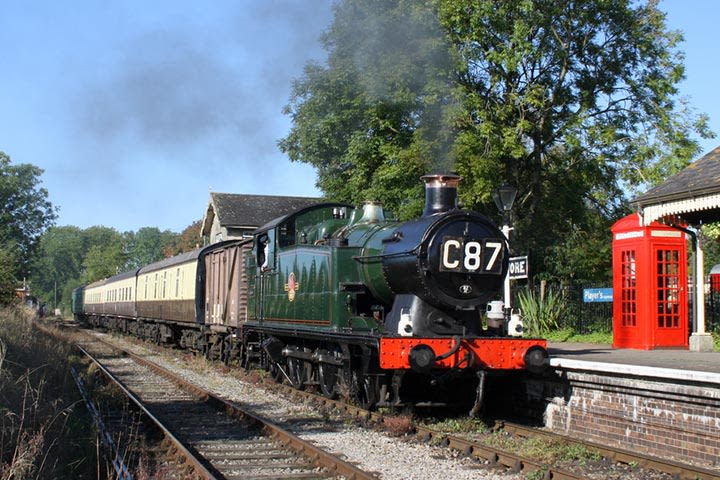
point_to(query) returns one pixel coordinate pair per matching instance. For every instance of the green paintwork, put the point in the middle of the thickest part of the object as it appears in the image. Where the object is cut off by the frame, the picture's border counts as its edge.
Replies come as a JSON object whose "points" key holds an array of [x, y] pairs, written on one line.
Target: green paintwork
{"points": [[315, 283], [77, 300]]}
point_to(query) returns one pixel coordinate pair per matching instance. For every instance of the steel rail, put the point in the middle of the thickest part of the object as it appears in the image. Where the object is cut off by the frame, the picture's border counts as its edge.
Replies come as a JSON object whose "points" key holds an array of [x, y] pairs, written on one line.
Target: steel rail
{"points": [[513, 462], [494, 456], [510, 460], [317, 456], [188, 455]]}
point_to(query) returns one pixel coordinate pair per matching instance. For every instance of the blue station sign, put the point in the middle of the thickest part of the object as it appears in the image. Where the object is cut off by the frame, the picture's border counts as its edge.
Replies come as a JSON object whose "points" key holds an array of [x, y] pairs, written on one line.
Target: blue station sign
{"points": [[597, 295]]}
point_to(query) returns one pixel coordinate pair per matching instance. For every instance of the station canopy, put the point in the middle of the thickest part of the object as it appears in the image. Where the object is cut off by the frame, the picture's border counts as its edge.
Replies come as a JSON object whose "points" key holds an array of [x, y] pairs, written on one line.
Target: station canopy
{"points": [[692, 194]]}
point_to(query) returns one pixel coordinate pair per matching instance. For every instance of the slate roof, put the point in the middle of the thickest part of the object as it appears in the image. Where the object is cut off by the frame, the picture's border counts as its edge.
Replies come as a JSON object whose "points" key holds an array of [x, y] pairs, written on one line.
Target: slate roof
{"points": [[239, 210], [693, 193]]}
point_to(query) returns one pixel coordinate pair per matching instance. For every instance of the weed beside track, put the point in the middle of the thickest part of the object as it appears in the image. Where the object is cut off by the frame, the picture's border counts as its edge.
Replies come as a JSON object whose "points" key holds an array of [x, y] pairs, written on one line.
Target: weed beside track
{"points": [[45, 431]]}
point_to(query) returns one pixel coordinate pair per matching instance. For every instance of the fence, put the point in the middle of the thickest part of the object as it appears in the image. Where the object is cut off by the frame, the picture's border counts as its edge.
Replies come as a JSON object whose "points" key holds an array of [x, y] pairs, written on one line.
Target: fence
{"points": [[712, 312], [597, 316], [579, 316]]}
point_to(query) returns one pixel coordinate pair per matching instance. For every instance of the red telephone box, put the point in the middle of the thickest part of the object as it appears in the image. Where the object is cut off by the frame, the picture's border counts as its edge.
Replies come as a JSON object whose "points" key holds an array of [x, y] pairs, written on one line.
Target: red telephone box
{"points": [[650, 308], [715, 279]]}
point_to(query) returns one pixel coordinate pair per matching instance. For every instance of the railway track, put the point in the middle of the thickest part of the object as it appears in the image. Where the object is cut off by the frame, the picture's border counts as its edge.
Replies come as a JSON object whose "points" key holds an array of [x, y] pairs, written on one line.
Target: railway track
{"points": [[214, 437], [510, 461], [517, 463]]}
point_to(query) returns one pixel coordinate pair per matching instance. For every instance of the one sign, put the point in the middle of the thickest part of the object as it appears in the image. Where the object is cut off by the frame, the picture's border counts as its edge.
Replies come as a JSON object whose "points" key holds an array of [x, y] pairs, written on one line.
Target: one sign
{"points": [[597, 295], [518, 268]]}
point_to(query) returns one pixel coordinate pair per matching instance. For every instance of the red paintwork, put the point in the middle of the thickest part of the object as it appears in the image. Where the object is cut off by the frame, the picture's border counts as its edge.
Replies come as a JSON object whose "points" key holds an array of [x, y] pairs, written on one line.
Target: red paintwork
{"points": [[650, 285], [488, 353]]}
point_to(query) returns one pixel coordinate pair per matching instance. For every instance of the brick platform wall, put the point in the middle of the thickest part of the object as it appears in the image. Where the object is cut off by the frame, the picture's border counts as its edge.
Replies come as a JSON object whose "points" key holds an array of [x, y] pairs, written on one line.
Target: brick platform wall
{"points": [[668, 419]]}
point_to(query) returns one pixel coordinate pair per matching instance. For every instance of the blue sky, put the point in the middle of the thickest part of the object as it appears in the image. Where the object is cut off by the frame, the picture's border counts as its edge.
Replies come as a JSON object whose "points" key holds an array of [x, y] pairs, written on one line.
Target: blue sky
{"points": [[136, 110]]}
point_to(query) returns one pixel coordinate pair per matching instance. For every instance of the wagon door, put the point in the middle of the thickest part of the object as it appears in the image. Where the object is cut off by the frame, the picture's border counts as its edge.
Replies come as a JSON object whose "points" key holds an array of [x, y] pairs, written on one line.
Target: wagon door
{"points": [[226, 291]]}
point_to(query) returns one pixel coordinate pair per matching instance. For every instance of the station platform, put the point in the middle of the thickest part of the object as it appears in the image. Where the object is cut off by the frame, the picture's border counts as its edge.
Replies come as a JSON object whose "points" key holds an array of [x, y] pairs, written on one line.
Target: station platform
{"points": [[665, 402], [676, 364]]}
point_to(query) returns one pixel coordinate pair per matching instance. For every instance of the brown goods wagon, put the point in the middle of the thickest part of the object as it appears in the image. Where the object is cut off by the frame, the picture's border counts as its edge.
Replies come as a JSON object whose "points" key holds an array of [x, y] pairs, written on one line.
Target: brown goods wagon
{"points": [[226, 292]]}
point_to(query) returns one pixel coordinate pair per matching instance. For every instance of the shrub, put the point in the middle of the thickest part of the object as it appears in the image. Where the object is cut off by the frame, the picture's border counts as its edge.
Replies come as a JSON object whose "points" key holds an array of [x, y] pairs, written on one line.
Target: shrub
{"points": [[541, 314], [398, 426]]}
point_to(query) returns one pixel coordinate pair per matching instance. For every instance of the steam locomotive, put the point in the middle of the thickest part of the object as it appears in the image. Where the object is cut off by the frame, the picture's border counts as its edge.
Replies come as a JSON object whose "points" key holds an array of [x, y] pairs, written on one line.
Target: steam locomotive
{"points": [[338, 298]]}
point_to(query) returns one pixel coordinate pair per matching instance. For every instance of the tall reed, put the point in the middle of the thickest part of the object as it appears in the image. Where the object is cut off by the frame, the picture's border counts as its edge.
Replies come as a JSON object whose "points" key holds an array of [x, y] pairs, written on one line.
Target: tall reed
{"points": [[42, 433]]}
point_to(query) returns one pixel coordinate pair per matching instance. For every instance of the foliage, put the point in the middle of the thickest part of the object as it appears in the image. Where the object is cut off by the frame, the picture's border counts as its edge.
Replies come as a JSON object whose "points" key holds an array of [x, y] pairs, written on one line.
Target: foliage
{"points": [[583, 254], [60, 254], [102, 261], [25, 214], [710, 242], [188, 240], [371, 121], [574, 103], [541, 312], [146, 246], [548, 451], [398, 425], [459, 425], [8, 267]]}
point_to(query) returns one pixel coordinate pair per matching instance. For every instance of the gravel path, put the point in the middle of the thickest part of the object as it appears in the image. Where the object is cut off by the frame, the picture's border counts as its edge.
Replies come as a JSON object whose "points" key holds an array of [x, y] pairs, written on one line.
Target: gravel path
{"points": [[390, 457]]}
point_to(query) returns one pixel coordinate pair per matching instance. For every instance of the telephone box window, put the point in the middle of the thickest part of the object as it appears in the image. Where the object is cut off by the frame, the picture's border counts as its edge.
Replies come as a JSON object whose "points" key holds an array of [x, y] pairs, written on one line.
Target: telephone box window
{"points": [[629, 290]]}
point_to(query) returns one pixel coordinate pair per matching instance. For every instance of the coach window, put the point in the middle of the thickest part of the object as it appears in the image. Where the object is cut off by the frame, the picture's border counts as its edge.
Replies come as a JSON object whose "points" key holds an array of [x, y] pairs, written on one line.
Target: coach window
{"points": [[155, 287], [177, 283], [164, 284]]}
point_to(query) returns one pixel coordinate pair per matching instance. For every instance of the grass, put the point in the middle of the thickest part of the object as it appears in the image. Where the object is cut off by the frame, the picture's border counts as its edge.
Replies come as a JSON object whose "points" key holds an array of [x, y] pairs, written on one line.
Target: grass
{"points": [[571, 336], [44, 429], [543, 450], [459, 425]]}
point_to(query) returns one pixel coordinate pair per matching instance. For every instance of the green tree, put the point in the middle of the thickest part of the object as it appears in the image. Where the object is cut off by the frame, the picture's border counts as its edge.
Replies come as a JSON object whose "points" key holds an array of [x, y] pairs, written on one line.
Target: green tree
{"points": [[26, 212], [189, 239], [8, 277], [148, 245], [572, 102], [103, 261], [59, 262], [105, 254], [372, 120]]}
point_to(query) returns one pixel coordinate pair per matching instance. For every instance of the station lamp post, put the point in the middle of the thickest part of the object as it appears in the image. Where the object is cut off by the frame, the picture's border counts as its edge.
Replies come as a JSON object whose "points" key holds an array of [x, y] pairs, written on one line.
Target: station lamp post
{"points": [[504, 198]]}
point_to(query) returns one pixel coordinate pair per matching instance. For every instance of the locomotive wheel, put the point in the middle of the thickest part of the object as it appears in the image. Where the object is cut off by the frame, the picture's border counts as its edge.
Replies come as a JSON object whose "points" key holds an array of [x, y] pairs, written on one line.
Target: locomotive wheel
{"points": [[276, 372], [328, 380], [363, 389], [296, 372], [226, 350]]}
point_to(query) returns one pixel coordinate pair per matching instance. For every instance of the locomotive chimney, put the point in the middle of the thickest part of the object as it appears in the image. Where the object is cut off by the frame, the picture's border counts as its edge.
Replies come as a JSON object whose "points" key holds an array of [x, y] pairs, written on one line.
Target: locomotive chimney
{"points": [[440, 192]]}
